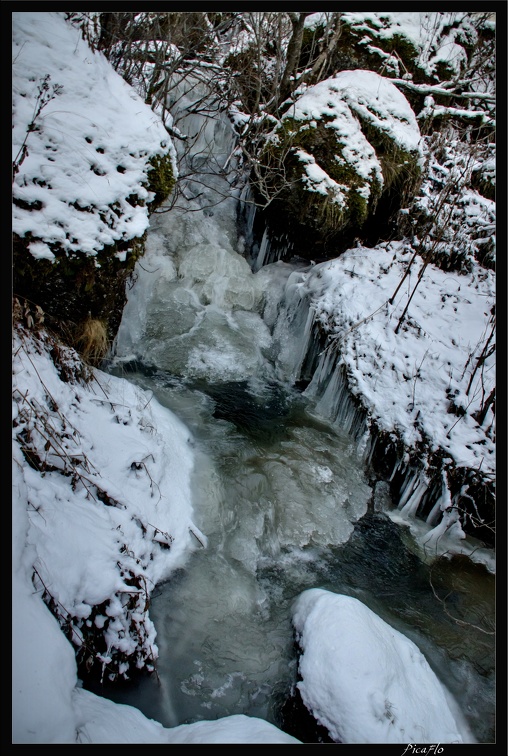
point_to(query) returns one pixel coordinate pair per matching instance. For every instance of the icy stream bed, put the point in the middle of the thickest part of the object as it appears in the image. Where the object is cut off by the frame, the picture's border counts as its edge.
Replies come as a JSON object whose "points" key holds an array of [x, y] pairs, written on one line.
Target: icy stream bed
{"points": [[285, 505], [281, 494]]}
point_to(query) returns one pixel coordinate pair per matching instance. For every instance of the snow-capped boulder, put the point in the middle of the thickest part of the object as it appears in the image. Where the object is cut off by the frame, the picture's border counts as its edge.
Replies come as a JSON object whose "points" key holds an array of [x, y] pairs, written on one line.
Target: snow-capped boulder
{"points": [[89, 158], [365, 681], [343, 144]]}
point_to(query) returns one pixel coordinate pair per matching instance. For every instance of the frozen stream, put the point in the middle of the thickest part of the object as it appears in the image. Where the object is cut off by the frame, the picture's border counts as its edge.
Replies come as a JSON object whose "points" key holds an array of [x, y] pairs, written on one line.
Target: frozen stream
{"points": [[282, 496], [277, 493]]}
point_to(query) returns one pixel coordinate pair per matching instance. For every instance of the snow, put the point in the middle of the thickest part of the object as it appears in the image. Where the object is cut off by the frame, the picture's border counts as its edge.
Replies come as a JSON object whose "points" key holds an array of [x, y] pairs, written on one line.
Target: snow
{"points": [[313, 20], [379, 102], [366, 682], [89, 149], [113, 477], [317, 180], [406, 379], [41, 700], [343, 102], [432, 34], [101, 721]]}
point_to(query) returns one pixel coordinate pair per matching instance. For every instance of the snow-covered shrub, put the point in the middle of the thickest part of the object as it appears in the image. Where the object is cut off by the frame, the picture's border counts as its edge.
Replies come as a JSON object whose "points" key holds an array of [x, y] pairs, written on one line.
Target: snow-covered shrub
{"points": [[426, 45], [450, 218]]}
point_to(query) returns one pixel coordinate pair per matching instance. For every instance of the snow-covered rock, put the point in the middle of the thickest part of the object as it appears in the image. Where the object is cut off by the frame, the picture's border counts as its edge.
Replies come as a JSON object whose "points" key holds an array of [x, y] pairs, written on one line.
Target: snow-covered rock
{"points": [[375, 685], [82, 140]]}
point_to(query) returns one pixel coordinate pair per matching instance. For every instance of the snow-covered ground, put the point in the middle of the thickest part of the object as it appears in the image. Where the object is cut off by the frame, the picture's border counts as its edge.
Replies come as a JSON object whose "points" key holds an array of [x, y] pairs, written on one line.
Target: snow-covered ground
{"points": [[408, 378]]}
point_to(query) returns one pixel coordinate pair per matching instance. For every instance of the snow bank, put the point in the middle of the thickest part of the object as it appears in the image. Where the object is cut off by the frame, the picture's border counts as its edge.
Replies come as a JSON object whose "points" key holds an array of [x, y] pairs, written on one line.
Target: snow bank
{"points": [[105, 477], [408, 379], [366, 682], [101, 721]]}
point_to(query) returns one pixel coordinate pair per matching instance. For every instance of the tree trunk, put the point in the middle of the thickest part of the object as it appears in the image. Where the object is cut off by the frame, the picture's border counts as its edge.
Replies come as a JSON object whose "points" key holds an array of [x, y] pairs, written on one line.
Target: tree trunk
{"points": [[293, 53]]}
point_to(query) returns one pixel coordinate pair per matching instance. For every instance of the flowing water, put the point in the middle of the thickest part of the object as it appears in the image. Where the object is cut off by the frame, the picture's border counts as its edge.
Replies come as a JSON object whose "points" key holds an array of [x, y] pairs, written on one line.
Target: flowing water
{"points": [[281, 494]]}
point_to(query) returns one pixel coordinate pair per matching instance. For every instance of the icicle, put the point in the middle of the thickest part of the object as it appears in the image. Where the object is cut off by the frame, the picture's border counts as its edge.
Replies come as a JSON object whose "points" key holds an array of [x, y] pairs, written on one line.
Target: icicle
{"points": [[370, 450], [363, 439], [280, 250], [407, 488], [444, 501], [350, 417], [330, 400], [264, 248], [396, 468], [443, 504], [245, 193], [432, 517], [450, 522], [304, 344], [294, 326], [320, 376], [249, 212], [334, 401], [410, 509], [359, 422]]}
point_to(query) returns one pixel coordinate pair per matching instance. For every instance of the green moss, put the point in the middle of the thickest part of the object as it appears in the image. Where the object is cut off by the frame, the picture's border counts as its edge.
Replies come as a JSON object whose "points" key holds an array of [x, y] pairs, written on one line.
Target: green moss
{"points": [[135, 249], [77, 286], [397, 164], [161, 178], [358, 208], [312, 209]]}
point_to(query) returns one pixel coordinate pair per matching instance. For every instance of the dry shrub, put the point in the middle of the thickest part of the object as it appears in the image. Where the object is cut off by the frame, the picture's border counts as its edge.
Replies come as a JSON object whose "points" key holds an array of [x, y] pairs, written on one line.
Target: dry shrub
{"points": [[92, 341], [23, 313]]}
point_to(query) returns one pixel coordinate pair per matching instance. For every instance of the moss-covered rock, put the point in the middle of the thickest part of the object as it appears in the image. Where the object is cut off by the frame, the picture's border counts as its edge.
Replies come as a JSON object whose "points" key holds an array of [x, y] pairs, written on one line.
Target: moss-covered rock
{"points": [[161, 178], [336, 198], [347, 142], [72, 289]]}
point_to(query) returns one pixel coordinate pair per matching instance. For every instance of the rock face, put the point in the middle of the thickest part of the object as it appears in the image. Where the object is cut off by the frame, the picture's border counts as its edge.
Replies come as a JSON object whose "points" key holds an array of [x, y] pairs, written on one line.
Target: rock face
{"points": [[84, 178], [346, 144]]}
